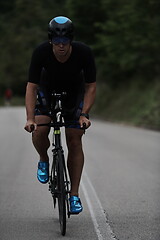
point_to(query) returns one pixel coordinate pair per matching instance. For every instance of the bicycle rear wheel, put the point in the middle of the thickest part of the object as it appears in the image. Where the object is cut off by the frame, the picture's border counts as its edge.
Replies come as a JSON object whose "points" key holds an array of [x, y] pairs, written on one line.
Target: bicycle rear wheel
{"points": [[53, 188], [61, 191]]}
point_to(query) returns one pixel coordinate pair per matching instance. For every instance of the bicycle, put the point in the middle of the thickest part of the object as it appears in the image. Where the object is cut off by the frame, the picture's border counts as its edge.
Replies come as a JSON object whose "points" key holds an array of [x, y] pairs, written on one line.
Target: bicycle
{"points": [[58, 178]]}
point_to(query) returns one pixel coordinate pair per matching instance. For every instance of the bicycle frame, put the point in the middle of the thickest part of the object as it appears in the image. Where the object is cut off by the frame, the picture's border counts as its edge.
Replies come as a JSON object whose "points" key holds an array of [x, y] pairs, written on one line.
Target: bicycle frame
{"points": [[57, 168], [57, 145]]}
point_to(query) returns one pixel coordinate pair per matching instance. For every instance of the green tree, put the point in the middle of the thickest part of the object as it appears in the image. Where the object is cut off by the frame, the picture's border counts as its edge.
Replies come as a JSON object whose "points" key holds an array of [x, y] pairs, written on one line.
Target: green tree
{"points": [[127, 44], [23, 25], [85, 15], [124, 35]]}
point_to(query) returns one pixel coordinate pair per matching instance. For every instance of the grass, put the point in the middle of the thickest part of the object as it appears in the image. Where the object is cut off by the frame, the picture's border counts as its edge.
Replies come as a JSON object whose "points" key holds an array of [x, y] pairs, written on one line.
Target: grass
{"points": [[137, 104]]}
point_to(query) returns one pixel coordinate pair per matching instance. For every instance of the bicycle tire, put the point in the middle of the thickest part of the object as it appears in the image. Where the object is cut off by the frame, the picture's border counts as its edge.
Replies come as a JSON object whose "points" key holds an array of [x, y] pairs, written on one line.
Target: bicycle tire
{"points": [[53, 188], [67, 189], [61, 191]]}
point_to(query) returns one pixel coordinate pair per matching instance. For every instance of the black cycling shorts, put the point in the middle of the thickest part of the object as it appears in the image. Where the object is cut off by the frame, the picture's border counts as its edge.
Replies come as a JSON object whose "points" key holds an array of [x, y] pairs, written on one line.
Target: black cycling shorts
{"points": [[71, 115]]}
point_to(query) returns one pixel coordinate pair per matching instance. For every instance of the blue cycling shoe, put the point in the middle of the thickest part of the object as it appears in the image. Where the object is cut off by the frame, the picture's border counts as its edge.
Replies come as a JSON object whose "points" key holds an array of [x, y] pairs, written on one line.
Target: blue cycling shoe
{"points": [[43, 172], [75, 205]]}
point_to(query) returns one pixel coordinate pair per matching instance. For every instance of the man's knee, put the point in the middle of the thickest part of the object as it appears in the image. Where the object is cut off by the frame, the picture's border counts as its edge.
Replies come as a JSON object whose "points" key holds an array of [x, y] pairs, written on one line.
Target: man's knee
{"points": [[40, 139], [74, 138], [42, 131]]}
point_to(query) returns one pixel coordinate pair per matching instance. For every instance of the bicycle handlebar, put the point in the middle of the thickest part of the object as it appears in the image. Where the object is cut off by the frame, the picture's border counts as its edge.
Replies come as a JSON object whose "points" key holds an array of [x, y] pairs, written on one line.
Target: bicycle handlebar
{"points": [[60, 124]]}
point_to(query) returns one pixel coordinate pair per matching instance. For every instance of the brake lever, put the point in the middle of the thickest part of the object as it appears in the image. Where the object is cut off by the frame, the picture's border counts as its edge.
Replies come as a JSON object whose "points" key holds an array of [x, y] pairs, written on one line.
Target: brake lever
{"points": [[84, 127]]}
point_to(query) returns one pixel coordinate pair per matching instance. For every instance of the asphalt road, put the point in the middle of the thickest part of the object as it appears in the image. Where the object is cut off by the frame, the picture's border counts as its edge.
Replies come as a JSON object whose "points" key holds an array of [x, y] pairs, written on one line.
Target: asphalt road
{"points": [[120, 187]]}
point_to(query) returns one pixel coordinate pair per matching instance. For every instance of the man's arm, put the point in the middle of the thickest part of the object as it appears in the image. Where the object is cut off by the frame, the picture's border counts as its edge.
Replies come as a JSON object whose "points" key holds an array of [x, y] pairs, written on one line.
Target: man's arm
{"points": [[89, 98], [30, 101]]}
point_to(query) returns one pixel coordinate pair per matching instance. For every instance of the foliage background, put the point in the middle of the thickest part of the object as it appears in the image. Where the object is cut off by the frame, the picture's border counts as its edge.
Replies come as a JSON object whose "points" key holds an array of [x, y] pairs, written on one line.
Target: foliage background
{"points": [[125, 38]]}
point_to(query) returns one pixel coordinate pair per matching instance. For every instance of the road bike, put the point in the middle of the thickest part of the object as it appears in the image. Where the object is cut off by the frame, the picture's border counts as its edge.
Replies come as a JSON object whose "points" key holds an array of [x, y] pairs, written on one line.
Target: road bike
{"points": [[59, 184]]}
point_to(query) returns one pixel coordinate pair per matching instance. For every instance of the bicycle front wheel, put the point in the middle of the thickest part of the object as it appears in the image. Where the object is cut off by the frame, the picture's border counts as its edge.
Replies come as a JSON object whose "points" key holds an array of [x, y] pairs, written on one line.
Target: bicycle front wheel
{"points": [[61, 191]]}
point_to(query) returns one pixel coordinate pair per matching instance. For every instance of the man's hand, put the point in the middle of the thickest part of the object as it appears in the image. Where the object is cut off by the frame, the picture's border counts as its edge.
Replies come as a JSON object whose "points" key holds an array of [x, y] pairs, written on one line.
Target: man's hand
{"points": [[84, 121], [30, 126]]}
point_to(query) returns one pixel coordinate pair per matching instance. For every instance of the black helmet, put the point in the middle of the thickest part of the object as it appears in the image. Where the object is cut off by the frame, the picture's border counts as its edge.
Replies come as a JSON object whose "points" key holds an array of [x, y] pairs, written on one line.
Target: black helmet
{"points": [[60, 27]]}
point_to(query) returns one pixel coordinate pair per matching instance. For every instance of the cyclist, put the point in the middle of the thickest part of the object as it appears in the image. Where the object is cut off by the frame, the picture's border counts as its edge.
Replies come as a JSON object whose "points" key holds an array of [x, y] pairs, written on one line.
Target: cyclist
{"points": [[62, 65], [8, 96]]}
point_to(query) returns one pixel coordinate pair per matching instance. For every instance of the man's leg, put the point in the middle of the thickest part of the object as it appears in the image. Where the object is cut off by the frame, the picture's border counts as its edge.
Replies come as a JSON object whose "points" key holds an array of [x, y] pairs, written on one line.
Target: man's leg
{"points": [[40, 138], [75, 157]]}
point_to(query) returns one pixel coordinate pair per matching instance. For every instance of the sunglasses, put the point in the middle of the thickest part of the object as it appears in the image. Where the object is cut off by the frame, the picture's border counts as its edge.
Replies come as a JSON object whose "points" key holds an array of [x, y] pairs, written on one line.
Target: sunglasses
{"points": [[62, 40]]}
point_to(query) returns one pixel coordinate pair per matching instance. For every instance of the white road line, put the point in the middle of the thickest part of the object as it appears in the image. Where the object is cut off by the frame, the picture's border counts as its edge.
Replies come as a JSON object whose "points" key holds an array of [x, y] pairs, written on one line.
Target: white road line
{"points": [[100, 222], [100, 237]]}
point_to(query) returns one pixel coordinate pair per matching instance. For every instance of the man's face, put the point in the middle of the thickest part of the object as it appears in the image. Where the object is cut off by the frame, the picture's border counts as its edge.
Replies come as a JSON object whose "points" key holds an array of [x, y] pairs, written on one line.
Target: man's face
{"points": [[61, 46], [61, 49]]}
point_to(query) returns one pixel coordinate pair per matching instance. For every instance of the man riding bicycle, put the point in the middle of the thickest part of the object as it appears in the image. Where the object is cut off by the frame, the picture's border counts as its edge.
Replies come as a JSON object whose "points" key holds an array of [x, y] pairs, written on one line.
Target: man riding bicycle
{"points": [[61, 65]]}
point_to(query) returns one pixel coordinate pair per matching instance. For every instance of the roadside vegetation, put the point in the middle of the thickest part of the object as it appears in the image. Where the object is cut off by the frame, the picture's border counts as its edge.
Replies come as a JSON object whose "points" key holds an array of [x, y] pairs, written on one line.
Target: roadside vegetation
{"points": [[137, 104], [124, 36]]}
